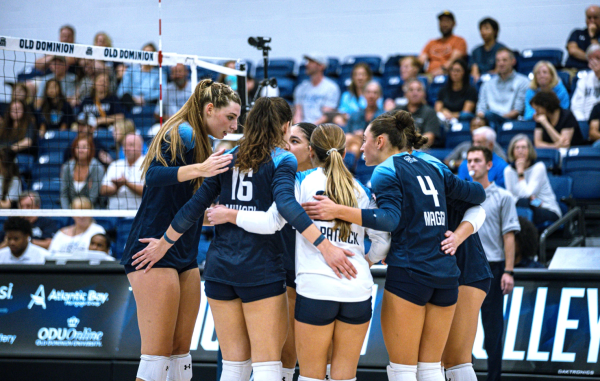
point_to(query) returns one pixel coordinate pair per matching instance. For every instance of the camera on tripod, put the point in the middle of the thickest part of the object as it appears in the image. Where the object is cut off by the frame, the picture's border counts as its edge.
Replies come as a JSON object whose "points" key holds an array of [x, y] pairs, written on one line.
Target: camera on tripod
{"points": [[261, 43]]}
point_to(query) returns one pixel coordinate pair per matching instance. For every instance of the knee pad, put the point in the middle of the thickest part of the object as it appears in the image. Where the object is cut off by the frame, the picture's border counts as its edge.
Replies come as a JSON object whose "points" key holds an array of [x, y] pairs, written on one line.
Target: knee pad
{"points": [[462, 372], [180, 368], [399, 372], [236, 370], [267, 371], [429, 371], [153, 368]]}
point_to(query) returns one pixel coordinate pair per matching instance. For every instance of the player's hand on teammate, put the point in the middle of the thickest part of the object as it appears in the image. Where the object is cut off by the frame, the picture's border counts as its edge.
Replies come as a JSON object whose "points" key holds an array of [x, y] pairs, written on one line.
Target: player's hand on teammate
{"points": [[323, 209], [507, 283], [337, 259], [451, 243], [217, 163], [156, 249], [220, 214]]}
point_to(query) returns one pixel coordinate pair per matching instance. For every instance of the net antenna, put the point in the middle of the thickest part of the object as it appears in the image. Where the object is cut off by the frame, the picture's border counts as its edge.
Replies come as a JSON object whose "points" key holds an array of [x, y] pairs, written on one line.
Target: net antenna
{"points": [[160, 70]]}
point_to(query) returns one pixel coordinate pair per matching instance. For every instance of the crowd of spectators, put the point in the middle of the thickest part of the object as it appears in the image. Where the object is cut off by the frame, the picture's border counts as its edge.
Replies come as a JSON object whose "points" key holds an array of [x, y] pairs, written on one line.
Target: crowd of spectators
{"points": [[482, 90]]}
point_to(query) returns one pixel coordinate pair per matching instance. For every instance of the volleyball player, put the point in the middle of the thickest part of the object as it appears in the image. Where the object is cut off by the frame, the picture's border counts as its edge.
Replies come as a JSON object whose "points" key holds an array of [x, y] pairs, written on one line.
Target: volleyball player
{"points": [[259, 222], [244, 275], [422, 281], [168, 297]]}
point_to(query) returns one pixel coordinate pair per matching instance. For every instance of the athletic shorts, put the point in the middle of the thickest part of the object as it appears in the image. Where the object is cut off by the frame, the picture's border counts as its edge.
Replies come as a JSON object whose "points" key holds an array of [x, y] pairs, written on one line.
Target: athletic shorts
{"points": [[290, 278], [158, 265], [222, 291], [483, 285], [324, 312], [399, 282]]}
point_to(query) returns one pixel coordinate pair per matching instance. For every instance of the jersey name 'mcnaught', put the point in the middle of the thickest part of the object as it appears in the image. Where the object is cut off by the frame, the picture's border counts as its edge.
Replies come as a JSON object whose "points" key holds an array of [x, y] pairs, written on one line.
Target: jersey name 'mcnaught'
{"points": [[334, 236], [241, 207], [435, 218]]}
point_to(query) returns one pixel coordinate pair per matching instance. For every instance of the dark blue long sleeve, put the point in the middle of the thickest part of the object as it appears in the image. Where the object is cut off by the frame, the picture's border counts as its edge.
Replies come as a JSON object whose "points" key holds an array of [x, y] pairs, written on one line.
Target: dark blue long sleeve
{"points": [[458, 189], [284, 182], [194, 209], [389, 199], [160, 176]]}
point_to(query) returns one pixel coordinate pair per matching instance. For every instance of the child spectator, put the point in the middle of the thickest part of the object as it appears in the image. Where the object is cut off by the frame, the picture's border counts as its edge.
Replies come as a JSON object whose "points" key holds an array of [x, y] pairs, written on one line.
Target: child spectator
{"points": [[56, 113], [20, 251], [100, 242]]}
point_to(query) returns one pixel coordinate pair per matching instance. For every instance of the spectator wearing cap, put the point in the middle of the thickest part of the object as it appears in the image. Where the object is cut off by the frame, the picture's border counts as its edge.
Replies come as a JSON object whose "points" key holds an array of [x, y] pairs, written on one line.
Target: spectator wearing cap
{"points": [[581, 39], [105, 106], [502, 98], [86, 126], [123, 184], [140, 84], [442, 51], [66, 35], [486, 137], [316, 96], [82, 175], [20, 251], [483, 58], [177, 92], [587, 92], [424, 116], [68, 81]]}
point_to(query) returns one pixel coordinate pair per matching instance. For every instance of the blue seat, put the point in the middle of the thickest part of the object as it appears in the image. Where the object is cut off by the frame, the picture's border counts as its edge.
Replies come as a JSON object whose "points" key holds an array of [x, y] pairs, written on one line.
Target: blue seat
{"points": [[585, 129], [350, 161], [25, 163], [286, 88], [530, 57], [439, 153], [550, 157], [56, 141], [562, 186], [123, 229], [49, 191], [48, 166], [390, 85], [509, 129], [458, 133], [374, 63], [278, 67], [525, 213], [344, 81], [392, 64], [143, 116], [582, 164], [566, 80], [106, 138], [108, 223], [206, 73], [436, 84]]}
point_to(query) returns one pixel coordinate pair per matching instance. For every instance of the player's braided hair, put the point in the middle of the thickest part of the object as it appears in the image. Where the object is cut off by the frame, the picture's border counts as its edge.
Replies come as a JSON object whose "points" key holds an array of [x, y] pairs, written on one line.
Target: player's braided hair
{"points": [[328, 141], [207, 91], [400, 128], [263, 132]]}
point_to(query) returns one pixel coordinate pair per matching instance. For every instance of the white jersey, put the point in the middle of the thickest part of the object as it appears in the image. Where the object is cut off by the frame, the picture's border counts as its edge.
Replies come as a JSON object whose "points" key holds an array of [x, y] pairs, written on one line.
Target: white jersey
{"points": [[314, 278]]}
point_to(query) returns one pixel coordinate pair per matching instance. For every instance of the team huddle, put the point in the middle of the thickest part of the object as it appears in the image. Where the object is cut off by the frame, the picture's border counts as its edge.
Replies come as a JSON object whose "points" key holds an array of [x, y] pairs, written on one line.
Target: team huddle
{"points": [[287, 275]]}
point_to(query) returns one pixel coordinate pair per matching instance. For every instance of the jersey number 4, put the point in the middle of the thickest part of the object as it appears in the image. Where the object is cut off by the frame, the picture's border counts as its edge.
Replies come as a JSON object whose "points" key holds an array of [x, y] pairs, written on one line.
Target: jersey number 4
{"points": [[244, 191], [431, 191]]}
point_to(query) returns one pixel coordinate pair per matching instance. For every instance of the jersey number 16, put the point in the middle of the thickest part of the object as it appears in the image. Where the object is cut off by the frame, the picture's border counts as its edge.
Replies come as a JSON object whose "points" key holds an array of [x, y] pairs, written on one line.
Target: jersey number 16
{"points": [[244, 191]]}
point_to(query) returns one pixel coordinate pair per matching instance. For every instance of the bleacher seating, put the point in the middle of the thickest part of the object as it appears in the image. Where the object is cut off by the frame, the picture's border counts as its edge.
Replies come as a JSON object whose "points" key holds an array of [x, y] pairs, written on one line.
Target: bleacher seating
{"points": [[566, 80], [439, 153], [530, 57], [286, 88], [25, 163], [49, 191], [362, 172], [582, 164], [585, 129], [47, 166], [392, 64], [458, 133], [56, 141], [509, 129], [550, 157], [374, 63], [143, 116], [389, 85], [434, 87], [278, 68]]}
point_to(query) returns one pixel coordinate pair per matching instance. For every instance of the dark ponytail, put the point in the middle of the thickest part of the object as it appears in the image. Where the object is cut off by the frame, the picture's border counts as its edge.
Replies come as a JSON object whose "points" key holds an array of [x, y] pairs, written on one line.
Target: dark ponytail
{"points": [[400, 128]]}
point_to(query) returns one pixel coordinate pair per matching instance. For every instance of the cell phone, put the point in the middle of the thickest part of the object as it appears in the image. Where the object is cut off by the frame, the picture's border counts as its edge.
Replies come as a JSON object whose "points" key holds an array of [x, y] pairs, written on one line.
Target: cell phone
{"points": [[536, 202]]}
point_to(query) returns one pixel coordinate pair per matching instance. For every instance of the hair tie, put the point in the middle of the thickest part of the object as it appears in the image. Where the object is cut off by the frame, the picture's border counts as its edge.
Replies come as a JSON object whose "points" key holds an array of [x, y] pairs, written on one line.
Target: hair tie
{"points": [[331, 150]]}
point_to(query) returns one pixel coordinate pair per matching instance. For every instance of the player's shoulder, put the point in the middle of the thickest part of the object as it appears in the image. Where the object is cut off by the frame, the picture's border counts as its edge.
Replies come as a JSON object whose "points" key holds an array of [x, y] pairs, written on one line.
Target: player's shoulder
{"points": [[363, 191], [310, 173], [281, 156], [186, 133], [431, 160]]}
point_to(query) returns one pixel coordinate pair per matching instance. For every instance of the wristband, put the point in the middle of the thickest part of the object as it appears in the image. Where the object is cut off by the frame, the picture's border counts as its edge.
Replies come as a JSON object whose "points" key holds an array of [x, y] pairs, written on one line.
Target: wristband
{"points": [[509, 272], [319, 240], [169, 240]]}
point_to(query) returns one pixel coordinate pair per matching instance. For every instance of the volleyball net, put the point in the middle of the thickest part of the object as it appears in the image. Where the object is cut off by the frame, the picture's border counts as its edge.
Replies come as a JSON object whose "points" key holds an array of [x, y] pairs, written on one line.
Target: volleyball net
{"points": [[76, 121]]}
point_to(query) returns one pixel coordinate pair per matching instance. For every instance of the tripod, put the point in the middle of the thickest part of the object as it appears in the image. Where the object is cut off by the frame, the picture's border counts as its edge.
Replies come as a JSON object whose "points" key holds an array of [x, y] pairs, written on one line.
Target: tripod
{"points": [[261, 43]]}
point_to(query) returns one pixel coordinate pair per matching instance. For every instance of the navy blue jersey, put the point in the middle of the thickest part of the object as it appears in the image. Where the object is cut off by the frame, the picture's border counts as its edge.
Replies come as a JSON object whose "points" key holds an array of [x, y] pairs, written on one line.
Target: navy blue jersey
{"points": [[162, 198], [411, 191], [470, 257], [235, 256]]}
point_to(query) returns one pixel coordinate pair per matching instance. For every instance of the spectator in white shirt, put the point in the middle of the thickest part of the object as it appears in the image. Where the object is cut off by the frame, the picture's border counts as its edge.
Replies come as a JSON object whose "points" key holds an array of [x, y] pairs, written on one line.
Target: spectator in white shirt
{"points": [[75, 239], [20, 251], [587, 92], [123, 183]]}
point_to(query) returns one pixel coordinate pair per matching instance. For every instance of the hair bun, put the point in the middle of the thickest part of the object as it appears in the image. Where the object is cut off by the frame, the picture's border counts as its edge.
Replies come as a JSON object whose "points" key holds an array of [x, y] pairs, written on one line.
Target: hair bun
{"points": [[403, 119]]}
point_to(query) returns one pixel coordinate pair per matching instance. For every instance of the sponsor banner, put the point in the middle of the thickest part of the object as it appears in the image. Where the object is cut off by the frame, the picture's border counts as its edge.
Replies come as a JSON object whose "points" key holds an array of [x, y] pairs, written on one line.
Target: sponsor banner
{"points": [[552, 326], [130, 56]]}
